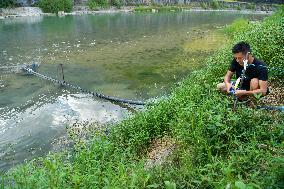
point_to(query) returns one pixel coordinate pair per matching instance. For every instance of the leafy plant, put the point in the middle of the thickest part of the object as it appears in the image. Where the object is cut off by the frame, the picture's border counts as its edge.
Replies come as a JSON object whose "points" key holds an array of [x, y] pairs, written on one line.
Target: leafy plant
{"points": [[92, 4], [214, 4], [239, 25], [97, 3], [251, 6], [7, 3], [116, 3], [203, 5], [54, 6]]}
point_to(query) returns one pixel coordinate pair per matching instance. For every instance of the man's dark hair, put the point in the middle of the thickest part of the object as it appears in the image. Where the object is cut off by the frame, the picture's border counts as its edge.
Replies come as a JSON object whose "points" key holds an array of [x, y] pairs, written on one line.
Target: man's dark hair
{"points": [[242, 47]]}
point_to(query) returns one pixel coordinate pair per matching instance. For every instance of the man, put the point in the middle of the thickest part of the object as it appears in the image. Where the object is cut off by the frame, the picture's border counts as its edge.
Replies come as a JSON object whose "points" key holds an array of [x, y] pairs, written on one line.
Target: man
{"points": [[255, 73]]}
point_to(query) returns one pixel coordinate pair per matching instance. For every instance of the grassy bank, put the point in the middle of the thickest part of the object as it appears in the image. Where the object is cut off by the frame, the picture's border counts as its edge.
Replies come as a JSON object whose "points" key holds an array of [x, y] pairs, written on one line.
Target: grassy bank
{"points": [[215, 147]]}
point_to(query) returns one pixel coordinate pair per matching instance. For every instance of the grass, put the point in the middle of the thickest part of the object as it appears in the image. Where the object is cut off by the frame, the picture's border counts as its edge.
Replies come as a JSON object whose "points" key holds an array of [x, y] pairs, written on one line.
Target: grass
{"points": [[217, 147], [238, 25], [54, 6]]}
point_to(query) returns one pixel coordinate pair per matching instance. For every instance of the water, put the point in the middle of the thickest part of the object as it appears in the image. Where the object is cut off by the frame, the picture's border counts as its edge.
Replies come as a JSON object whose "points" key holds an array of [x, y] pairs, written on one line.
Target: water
{"points": [[134, 56]]}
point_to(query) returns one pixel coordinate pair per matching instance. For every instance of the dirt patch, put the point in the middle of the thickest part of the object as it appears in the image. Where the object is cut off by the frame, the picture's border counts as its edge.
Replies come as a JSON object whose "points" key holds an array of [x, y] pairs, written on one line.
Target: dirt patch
{"points": [[159, 151], [276, 95]]}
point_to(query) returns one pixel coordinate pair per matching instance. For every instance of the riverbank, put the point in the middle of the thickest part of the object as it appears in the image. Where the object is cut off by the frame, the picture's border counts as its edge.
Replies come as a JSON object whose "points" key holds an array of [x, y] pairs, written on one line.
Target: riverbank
{"points": [[36, 11], [211, 145], [82, 10]]}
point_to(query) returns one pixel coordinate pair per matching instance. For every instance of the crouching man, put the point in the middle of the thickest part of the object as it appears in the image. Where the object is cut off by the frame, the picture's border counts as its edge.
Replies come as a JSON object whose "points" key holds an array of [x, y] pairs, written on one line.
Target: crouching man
{"points": [[251, 74]]}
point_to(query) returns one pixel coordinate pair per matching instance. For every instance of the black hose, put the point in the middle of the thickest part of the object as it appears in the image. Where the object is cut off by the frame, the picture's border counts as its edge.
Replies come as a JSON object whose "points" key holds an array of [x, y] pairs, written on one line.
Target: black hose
{"points": [[99, 95], [280, 108]]}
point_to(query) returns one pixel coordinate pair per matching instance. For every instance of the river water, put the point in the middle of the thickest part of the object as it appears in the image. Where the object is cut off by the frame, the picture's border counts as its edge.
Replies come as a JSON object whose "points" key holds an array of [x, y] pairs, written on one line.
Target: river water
{"points": [[126, 55]]}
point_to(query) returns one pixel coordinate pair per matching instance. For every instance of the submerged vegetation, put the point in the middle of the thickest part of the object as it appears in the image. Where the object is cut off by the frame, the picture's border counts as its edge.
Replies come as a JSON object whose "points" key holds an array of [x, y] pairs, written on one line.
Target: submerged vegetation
{"points": [[216, 147]]}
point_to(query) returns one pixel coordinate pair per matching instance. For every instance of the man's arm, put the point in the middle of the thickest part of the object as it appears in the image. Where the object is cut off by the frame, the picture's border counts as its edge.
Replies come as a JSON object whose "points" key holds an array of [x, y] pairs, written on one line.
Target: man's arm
{"points": [[227, 80], [262, 90]]}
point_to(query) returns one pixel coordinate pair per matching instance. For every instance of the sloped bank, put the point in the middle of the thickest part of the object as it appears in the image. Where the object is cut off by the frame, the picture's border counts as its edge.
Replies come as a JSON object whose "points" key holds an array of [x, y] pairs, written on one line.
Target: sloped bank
{"points": [[216, 147]]}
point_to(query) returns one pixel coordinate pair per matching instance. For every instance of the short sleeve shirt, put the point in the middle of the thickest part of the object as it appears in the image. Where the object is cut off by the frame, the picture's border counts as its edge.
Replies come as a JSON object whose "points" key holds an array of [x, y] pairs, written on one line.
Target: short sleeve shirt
{"points": [[257, 69]]}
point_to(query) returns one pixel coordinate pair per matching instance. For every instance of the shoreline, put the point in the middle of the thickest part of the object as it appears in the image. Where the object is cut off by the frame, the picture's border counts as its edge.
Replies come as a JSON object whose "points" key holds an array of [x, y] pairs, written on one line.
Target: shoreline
{"points": [[36, 11]]}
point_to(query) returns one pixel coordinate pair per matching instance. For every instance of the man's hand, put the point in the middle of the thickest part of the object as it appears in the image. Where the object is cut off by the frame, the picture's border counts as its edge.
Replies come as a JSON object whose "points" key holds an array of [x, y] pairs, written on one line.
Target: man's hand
{"points": [[227, 80], [228, 86], [240, 93]]}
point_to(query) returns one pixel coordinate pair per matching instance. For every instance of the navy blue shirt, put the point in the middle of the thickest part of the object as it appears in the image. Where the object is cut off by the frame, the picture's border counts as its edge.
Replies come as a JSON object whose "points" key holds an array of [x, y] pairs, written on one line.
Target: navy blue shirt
{"points": [[257, 69]]}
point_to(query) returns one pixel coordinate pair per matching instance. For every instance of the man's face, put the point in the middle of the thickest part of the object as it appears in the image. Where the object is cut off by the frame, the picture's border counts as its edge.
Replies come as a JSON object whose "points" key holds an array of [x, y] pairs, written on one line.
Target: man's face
{"points": [[240, 57]]}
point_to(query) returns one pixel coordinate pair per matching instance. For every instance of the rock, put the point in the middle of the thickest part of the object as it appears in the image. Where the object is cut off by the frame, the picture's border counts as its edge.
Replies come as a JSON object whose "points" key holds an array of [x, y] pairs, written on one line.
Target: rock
{"points": [[26, 2], [61, 13], [22, 11]]}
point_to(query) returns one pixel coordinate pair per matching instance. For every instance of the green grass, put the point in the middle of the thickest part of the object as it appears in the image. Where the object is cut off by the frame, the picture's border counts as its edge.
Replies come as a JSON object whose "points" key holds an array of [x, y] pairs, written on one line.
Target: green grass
{"points": [[251, 6], [96, 4], [237, 26], [217, 147], [215, 4], [54, 6]]}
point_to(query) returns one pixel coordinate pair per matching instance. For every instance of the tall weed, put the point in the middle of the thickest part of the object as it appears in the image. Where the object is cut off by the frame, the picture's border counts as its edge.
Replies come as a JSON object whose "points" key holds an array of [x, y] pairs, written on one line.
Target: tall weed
{"points": [[54, 6]]}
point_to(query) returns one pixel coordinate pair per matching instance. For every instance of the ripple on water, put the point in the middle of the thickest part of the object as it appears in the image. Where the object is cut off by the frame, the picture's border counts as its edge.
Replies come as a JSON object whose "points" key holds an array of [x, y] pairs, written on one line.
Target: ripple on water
{"points": [[38, 125]]}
